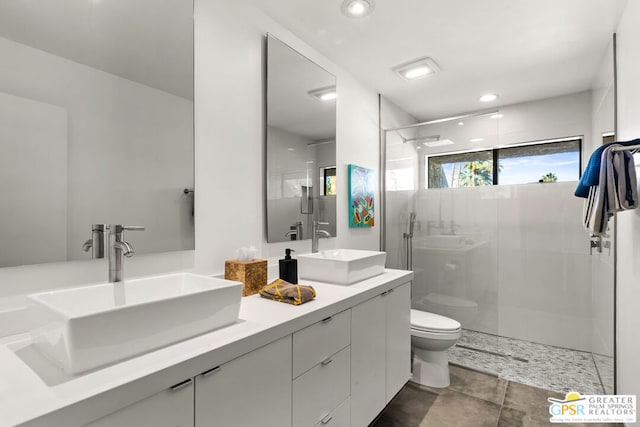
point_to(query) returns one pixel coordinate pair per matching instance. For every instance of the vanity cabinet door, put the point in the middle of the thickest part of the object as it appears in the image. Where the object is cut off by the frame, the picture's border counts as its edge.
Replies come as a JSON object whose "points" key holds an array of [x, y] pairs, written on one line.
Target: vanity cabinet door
{"points": [[398, 315], [380, 352], [252, 390], [368, 360], [169, 408]]}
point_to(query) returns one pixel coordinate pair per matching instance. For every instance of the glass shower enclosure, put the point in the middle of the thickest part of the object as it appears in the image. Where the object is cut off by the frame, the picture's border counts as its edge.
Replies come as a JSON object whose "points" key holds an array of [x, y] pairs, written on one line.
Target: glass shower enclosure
{"points": [[493, 233]]}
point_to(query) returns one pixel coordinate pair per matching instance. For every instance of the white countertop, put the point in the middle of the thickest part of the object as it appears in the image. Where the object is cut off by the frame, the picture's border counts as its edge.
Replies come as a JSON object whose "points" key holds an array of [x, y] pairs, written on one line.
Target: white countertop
{"points": [[35, 392]]}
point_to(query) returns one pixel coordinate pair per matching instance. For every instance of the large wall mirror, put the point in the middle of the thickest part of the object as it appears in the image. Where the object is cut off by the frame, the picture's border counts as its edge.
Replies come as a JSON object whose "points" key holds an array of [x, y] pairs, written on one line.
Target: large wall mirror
{"points": [[301, 145], [96, 126]]}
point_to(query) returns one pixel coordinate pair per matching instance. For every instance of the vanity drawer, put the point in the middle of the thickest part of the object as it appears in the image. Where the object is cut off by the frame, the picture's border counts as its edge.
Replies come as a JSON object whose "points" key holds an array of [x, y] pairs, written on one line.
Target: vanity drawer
{"points": [[341, 417], [315, 343], [320, 391]]}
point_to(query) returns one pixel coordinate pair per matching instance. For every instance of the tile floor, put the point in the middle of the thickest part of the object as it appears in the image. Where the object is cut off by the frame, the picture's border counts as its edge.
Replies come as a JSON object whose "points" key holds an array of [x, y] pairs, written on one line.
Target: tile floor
{"points": [[551, 368], [473, 399]]}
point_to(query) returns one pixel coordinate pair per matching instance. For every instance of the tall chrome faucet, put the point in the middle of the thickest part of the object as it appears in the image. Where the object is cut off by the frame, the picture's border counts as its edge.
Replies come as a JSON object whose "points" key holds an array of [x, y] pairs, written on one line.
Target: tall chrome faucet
{"points": [[317, 233], [119, 248]]}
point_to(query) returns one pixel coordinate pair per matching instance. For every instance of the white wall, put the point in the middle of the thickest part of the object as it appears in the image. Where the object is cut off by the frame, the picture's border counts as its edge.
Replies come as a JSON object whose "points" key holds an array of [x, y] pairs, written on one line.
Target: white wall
{"points": [[229, 79], [398, 204], [129, 148], [602, 265], [628, 235], [549, 118], [557, 117], [544, 267]]}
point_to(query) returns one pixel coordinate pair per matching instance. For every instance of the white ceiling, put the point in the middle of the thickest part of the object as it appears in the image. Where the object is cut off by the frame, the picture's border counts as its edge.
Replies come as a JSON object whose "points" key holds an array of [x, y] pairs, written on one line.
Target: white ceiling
{"points": [[147, 41], [521, 49]]}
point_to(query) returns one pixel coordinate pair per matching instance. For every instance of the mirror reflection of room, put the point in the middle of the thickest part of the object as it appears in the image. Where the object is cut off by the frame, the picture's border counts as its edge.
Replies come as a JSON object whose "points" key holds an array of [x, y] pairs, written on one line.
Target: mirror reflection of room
{"points": [[96, 127], [301, 145]]}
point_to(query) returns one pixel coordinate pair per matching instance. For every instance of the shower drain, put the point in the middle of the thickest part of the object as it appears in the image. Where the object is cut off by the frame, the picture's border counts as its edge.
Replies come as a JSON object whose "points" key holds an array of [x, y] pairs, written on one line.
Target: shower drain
{"points": [[493, 353]]}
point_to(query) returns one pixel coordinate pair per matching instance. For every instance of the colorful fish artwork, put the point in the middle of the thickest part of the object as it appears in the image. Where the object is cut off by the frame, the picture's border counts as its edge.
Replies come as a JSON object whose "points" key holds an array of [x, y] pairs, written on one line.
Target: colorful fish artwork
{"points": [[361, 189]]}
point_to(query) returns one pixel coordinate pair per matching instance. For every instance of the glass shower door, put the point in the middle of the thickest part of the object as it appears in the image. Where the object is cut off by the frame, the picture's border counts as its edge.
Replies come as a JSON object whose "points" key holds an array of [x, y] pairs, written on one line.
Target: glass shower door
{"points": [[441, 220]]}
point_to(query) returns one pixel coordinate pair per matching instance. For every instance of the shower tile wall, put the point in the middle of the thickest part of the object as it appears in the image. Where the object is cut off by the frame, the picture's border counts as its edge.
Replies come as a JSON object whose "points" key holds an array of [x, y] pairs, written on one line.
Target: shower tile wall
{"points": [[524, 262], [545, 267]]}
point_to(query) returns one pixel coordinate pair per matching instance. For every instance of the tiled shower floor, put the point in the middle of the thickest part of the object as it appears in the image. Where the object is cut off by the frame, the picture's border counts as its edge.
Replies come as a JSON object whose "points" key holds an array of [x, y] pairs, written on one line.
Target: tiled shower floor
{"points": [[538, 365]]}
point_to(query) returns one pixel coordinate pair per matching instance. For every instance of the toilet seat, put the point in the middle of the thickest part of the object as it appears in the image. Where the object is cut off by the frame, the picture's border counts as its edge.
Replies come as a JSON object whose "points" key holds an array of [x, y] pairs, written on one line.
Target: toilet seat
{"points": [[422, 321]]}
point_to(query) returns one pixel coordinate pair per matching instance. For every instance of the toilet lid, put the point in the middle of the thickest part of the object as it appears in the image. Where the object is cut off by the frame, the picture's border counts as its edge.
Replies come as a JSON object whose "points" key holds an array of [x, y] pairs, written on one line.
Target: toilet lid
{"points": [[424, 321]]}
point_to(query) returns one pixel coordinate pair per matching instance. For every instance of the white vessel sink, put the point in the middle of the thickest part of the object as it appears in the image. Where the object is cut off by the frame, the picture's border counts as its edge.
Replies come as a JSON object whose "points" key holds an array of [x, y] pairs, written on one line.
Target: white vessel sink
{"points": [[92, 326], [341, 266]]}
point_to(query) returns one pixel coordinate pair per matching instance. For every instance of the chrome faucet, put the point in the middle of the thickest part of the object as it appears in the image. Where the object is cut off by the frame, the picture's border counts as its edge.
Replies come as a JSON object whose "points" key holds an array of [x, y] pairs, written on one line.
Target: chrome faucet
{"points": [[96, 242], [119, 248], [317, 233], [295, 232]]}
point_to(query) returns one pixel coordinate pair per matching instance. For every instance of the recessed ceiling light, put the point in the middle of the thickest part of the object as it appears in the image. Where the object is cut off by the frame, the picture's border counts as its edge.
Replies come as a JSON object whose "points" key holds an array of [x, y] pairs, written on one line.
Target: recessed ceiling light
{"points": [[324, 93], [460, 123], [358, 8], [488, 97], [476, 140], [291, 149], [496, 116], [416, 69], [329, 96]]}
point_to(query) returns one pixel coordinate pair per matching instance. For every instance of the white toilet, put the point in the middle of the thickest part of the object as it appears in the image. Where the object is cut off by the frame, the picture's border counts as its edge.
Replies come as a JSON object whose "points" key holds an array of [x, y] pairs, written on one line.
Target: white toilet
{"points": [[431, 336]]}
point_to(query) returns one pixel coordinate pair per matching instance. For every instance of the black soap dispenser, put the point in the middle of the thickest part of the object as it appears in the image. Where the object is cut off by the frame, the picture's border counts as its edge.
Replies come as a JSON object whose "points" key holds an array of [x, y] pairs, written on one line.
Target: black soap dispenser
{"points": [[289, 268]]}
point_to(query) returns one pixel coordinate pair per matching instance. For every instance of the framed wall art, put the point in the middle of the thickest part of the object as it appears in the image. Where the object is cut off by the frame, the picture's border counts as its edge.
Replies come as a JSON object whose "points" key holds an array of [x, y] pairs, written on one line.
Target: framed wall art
{"points": [[362, 185]]}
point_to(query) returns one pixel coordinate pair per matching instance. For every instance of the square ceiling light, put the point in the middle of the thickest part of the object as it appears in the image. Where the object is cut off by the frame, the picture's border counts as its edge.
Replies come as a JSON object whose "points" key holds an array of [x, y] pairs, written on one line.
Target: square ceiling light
{"points": [[417, 68], [438, 143], [324, 94]]}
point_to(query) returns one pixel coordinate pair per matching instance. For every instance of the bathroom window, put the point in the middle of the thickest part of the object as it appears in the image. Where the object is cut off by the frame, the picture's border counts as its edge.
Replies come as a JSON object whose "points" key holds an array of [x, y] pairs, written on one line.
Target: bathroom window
{"points": [[328, 181], [469, 169], [544, 161], [541, 162]]}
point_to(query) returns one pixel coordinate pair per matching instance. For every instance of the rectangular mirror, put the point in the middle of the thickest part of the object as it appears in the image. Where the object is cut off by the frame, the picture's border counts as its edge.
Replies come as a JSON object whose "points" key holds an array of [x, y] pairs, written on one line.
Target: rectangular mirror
{"points": [[96, 126], [301, 145]]}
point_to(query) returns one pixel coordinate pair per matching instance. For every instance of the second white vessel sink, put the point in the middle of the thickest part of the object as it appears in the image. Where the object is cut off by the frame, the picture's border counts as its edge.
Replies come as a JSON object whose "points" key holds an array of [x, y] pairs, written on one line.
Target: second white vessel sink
{"points": [[95, 325], [341, 266]]}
